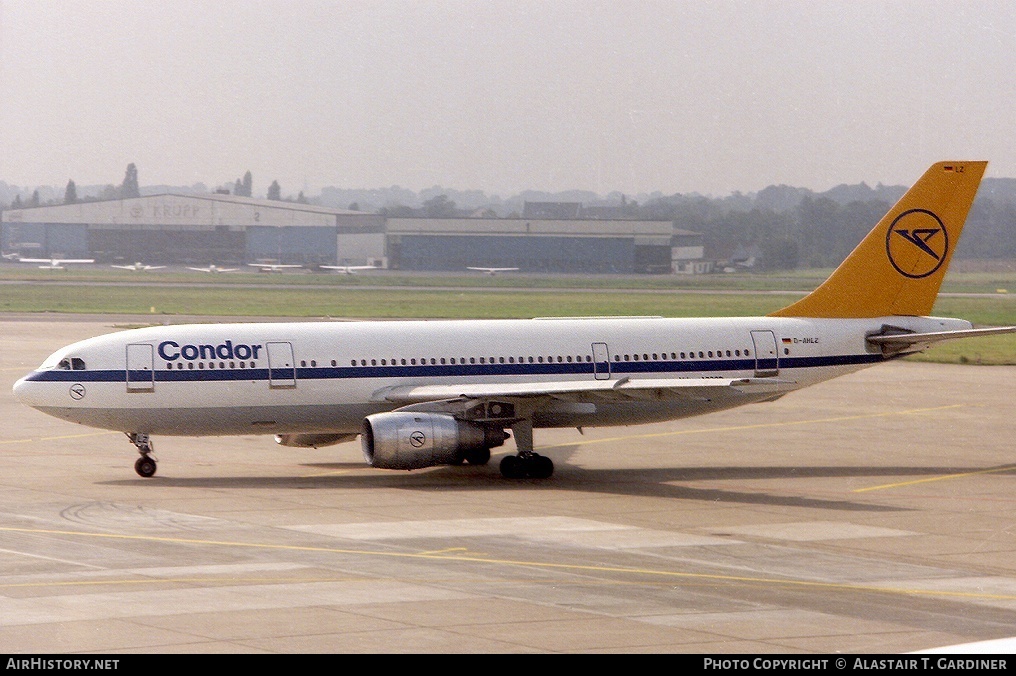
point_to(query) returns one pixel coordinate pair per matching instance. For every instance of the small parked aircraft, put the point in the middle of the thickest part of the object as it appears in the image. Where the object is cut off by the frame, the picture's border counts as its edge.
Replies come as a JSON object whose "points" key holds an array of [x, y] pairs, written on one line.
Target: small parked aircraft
{"points": [[214, 268], [491, 271], [138, 267], [56, 263], [349, 269], [273, 267]]}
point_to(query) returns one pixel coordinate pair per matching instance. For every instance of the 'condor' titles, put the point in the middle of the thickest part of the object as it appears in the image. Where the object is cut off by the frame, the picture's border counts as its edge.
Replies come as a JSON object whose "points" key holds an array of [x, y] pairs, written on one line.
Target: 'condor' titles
{"points": [[170, 350]]}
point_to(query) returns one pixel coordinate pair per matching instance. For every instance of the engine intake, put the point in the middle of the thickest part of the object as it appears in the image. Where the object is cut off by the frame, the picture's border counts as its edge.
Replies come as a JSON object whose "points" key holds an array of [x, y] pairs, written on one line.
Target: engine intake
{"points": [[406, 440]]}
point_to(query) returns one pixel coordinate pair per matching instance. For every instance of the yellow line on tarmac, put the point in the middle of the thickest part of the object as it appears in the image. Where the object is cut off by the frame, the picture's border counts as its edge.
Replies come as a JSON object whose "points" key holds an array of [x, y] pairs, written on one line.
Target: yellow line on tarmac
{"points": [[734, 428], [78, 436], [571, 567], [935, 478], [58, 438]]}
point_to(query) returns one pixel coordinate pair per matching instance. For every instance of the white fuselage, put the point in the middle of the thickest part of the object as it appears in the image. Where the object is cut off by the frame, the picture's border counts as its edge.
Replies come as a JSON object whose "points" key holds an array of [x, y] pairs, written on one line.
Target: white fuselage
{"points": [[273, 378]]}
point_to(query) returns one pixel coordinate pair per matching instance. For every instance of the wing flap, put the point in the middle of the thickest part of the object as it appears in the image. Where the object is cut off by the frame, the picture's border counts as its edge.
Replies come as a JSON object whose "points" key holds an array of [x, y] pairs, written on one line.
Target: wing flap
{"points": [[625, 389]]}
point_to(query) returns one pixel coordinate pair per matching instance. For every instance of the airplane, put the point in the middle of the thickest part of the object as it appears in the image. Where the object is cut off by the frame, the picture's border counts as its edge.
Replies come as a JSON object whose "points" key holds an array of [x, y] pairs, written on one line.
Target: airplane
{"points": [[55, 263], [492, 271], [349, 269], [12, 256], [214, 268], [273, 267], [427, 393], [137, 267]]}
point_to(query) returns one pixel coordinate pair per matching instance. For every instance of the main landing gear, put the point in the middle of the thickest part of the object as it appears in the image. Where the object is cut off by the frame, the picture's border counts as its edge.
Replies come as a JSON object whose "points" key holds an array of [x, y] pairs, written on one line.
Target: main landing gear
{"points": [[526, 463], [145, 465]]}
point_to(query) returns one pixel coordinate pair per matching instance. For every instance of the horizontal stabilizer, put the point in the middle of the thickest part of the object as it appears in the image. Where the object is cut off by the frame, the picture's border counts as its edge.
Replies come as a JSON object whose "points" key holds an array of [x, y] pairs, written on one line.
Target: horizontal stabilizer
{"points": [[899, 342]]}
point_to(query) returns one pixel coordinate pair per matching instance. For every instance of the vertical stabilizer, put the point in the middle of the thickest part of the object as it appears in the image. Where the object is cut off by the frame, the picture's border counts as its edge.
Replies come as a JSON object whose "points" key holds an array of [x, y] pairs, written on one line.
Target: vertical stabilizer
{"points": [[898, 267]]}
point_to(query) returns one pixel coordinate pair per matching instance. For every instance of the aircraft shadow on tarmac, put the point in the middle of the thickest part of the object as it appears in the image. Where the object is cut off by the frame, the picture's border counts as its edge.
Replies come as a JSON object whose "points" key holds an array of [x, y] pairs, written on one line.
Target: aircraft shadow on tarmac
{"points": [[635, 482]]}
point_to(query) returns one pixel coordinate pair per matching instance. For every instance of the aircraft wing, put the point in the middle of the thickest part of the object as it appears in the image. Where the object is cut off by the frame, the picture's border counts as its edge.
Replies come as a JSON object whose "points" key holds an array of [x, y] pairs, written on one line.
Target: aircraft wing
{"points": [[57, 261], [591, 391], [894, 343]]}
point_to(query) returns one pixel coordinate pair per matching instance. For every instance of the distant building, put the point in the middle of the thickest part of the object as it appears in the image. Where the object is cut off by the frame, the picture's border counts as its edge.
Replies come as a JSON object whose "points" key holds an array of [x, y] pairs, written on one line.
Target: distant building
{"points": [[532, 245], [215, 228], [687, 254], [224, 229]]}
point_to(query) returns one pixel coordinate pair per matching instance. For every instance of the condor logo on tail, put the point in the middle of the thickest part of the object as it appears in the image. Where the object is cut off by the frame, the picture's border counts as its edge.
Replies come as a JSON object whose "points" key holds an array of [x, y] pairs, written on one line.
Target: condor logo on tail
{"points": [[917, 243]]}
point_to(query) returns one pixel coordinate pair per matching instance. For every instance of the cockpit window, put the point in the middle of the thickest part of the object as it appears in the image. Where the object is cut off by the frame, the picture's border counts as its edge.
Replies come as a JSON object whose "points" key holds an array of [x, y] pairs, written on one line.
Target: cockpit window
{"points": [[71, 364]]}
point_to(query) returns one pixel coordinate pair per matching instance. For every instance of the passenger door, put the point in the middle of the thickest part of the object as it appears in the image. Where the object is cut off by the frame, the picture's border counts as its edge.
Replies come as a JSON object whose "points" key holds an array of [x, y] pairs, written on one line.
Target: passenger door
{"points": [[140, 367], [601, 361], [767, 357], [281, 365]]}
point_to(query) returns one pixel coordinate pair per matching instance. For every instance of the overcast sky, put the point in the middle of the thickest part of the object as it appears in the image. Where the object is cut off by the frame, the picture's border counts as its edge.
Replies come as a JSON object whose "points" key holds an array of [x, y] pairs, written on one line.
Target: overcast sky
{"points": [[504, 95]]}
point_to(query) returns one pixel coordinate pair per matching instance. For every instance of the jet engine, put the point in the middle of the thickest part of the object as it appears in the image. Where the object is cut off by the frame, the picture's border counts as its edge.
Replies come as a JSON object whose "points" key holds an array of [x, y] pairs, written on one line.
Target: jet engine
{"points": [[312, 440], [406, 440]]}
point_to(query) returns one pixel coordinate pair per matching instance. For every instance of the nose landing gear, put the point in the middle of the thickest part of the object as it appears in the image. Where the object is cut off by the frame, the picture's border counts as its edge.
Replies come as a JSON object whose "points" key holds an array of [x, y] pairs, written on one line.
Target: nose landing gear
{"points": [[145, 465]]}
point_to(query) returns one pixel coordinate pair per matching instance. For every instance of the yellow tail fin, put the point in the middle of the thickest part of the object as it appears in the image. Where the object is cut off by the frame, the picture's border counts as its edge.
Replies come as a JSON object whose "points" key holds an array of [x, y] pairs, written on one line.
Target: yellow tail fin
{"points": [[898, 267]]}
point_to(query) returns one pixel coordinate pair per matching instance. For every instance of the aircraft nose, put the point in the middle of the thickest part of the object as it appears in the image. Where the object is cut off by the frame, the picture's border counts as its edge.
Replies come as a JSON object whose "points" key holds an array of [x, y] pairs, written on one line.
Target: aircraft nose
{"points": [[26, 392]]}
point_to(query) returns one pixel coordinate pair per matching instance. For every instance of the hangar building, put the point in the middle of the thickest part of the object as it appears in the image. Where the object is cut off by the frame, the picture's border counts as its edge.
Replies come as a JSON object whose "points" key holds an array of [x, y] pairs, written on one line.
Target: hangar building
{"points": [[205, 229], [532, 245], [225, 229]]}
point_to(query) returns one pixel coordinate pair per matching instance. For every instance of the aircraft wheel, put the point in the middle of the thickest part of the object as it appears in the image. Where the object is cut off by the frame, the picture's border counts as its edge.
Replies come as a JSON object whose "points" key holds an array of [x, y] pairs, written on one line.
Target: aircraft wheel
{"points": [[540, 467], [512, 467], [145, 467], [479, 456]]}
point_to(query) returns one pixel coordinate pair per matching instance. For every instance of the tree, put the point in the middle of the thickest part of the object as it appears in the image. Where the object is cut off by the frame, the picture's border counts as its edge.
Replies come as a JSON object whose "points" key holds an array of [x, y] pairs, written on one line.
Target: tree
{"points": [[248, 185], [238, 187], [274, 191], [16, 204], [34, 202], [71, 193], [439, 207], [130, 187]]}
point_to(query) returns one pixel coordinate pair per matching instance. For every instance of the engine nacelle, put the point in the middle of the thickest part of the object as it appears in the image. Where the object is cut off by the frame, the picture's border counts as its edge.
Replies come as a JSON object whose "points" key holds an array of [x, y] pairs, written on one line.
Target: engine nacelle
{"points": [[406, 440], [312, 440]]}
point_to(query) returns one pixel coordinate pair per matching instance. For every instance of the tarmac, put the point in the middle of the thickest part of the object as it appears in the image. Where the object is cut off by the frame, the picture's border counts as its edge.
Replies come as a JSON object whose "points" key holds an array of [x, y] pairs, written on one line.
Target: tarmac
{"points": [[875, 513]]}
